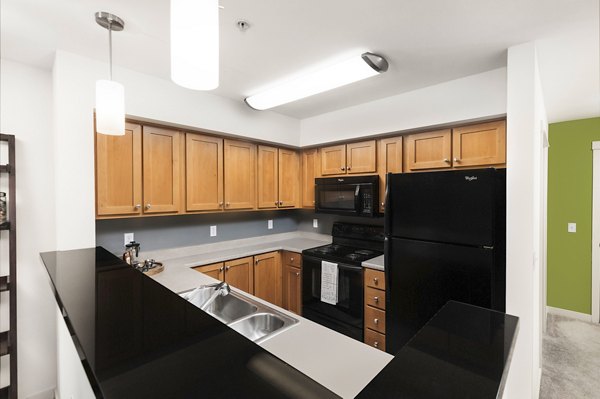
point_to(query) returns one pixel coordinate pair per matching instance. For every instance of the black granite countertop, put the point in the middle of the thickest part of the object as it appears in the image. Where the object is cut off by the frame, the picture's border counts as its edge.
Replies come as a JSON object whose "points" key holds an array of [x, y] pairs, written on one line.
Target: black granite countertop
{"points": [[141, 340]]}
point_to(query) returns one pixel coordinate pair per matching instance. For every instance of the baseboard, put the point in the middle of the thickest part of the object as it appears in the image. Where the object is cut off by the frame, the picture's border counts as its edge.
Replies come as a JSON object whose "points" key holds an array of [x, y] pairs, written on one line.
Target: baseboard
{"points": [[47, 394], [569, 313]]}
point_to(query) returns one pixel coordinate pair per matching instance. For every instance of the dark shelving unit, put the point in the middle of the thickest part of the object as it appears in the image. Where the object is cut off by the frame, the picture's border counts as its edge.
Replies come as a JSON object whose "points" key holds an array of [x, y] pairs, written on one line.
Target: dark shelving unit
{"points": [[8, 339]]}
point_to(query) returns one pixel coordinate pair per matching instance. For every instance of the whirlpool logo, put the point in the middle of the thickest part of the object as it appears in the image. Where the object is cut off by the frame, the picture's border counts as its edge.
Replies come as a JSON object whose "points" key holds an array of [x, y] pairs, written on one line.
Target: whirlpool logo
{"points": [[470, 178]]}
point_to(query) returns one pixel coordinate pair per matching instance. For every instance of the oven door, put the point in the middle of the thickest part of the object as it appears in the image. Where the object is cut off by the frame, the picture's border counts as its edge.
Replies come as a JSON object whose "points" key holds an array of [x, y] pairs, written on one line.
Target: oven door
{"points": [[346, 316]]}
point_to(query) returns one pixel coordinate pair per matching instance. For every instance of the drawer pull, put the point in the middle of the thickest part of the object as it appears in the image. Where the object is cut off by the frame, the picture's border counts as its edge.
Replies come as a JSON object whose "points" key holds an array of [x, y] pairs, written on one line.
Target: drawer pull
{"points": [[297, 274], [376, 299], [376, 344], [375, 280], [376, 321], [291, 259]]}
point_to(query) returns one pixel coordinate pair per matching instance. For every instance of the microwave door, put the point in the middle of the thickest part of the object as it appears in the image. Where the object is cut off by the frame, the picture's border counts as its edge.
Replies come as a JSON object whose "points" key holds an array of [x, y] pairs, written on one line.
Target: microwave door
{"points": [[337, 198]]}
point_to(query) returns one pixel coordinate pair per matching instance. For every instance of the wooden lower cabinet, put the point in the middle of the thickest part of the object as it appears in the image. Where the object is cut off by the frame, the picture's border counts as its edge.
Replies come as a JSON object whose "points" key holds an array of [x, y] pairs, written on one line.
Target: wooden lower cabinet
{"points": [[215, 270], [374, 308], [267, 277], [292, 281], [239, 273]]}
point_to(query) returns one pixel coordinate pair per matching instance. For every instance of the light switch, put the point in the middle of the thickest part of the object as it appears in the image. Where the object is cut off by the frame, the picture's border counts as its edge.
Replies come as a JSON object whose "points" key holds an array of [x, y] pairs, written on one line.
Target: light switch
{"points": [[270, 224], [315, 223], [213, 231], [572, 227]]}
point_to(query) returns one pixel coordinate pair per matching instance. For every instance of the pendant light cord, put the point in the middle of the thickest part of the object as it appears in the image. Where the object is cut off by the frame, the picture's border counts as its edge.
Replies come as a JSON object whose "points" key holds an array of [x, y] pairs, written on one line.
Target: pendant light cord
{"points": [[110, 48]]}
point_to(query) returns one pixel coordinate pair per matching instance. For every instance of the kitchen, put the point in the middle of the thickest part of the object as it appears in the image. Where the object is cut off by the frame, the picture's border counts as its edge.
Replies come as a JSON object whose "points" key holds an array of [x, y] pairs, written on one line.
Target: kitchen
{"points": [[66, 173]]}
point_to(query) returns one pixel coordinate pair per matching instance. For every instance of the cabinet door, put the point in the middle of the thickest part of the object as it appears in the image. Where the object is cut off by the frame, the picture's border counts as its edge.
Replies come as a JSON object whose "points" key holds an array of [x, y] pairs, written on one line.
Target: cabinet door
{"points": [[239, 274], [267, 277], [240, 172], [161, 149], [333, 160], [267, 177], [430, 150], [479, 145], [289, 178], [215, 270], [389, 161], [119, 172], [361, 157], [204, 172], [292, 289], [310, 170]]}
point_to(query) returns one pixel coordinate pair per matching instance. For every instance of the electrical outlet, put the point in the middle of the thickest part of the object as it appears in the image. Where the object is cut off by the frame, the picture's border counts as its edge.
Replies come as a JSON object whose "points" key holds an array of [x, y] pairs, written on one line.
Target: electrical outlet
{"points": [[213, 231], [270, 224], [572, 227], [127, 238], [315, 223]]}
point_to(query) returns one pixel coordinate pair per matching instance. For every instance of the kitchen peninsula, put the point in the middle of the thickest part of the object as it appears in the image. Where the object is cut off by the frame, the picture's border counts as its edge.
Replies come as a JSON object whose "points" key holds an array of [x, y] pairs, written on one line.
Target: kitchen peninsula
{"points": [[137, 338]]}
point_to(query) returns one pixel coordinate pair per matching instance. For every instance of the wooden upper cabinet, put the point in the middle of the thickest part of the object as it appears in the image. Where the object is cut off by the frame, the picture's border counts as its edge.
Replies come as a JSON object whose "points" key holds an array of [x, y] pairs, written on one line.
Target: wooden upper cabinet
{"points": [[215, 270], [333, 160], [240, 172], [267, 277], [389, 161], [119, 173], [239, 273], [361, 157], [161, 177], [479, 145], [429, 150], [310, 170], [204, 172], [289, 178], [267, 181]]}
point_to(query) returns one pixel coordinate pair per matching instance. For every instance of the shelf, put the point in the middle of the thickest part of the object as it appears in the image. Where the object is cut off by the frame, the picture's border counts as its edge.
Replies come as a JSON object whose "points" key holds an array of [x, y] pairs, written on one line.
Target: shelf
{"points": [[5, 226], [4, 346], [5, 168], [4, 284]]}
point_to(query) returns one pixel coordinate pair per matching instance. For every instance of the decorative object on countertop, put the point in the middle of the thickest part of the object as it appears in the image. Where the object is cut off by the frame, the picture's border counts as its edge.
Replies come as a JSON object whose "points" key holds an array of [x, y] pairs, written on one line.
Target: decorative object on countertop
{"points": [[131, 253], [3, 209], [149, 267]]}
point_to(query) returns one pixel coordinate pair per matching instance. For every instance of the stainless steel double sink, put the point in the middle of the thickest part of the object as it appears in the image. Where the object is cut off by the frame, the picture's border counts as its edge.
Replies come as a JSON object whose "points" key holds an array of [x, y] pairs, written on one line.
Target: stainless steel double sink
{"points": [[254, 320]]}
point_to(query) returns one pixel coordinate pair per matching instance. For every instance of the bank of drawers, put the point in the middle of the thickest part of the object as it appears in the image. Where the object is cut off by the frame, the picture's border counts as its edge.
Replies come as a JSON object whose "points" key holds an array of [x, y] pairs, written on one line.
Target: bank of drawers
{"points": [[374, 290]]}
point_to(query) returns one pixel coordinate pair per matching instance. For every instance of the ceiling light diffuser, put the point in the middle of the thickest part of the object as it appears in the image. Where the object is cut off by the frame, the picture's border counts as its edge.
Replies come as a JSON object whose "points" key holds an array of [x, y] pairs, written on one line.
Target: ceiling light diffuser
{"points": [[352, 70], [195, 43], [110, 95]]}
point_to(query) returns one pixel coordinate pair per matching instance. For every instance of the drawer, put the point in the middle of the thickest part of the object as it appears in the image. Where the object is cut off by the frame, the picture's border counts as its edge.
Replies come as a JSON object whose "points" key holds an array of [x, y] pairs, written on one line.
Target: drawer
{"points": [[375, 319], [375, 339], [375, 297], [374, 278], [292, 258]]}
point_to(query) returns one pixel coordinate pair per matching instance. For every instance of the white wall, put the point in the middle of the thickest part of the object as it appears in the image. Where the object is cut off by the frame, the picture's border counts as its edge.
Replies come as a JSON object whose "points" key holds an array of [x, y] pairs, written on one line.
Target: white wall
{"points": [[149, 97], [525, 120], [475, 96], [26, 95]]}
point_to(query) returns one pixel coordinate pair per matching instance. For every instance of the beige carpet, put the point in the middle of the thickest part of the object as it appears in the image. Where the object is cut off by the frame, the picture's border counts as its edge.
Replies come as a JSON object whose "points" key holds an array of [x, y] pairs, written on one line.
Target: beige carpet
{"points": [[571, 359]]}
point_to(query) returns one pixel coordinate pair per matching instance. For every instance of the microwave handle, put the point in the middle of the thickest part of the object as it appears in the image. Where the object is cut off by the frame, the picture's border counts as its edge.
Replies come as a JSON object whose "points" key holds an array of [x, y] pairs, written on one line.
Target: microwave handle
{"points": [[357, 207]]}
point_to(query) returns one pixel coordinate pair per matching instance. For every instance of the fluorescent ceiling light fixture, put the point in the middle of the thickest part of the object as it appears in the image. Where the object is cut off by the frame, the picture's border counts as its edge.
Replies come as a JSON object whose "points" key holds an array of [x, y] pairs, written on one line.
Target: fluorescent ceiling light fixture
{"points": [[195, 43], [110, 95], [352, 70]]}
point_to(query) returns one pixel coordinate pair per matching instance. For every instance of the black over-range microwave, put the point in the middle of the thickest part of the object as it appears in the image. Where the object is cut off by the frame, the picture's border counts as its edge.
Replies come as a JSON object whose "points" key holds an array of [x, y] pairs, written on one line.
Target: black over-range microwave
{"points": [[352, 196]]}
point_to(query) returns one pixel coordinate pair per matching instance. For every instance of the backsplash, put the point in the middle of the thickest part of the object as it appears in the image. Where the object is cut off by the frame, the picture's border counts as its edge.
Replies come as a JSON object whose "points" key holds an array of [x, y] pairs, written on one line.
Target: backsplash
{"points": [[305, 218]]}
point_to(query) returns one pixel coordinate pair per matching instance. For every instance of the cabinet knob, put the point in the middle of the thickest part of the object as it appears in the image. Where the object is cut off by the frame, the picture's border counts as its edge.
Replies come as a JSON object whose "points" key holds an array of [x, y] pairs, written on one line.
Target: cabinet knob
{"points": [[383, 204], [256, 261], [280, 203], [349, 167], [297, 274], [446, 160], [221, 204], [221, 269], [227, 204], [457, 160], [376, 299], [343, 168], [375, 280], [148, 206], [137, 206], [227, 267], [376, 321], [376, 344], [276, 203]]}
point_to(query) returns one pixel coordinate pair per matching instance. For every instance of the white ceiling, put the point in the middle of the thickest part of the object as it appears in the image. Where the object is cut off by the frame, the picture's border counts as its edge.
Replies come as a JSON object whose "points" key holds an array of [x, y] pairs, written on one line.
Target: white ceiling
{"points": [[426, 41]]}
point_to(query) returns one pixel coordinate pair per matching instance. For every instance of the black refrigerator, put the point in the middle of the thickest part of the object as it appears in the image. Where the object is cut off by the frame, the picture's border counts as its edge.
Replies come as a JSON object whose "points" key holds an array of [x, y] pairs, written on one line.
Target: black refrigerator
{"points": [[445, 239]]}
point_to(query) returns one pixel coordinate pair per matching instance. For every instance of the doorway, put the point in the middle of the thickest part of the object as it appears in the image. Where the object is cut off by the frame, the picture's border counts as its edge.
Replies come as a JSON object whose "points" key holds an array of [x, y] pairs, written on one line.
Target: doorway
{"points": [[596, 233]]}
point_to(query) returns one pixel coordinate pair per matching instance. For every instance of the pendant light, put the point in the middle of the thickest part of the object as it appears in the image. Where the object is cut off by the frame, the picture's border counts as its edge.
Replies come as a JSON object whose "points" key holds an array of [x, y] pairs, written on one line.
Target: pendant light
{"points": [[359, 67], [195, 43], [110, 95]]}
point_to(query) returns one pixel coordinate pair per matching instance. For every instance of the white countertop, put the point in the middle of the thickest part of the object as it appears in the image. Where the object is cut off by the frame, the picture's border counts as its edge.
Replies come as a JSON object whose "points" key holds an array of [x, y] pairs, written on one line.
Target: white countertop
{"points": [[375, 263], [341, 364]]}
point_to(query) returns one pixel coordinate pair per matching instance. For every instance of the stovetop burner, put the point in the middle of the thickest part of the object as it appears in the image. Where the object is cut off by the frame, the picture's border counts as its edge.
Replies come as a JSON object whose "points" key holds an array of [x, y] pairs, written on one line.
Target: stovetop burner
{"points": [[344, 253]]}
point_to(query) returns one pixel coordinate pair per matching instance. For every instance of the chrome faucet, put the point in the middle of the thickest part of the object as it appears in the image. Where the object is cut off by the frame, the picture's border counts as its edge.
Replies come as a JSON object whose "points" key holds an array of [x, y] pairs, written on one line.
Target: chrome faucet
{"points": [[221, 288]]}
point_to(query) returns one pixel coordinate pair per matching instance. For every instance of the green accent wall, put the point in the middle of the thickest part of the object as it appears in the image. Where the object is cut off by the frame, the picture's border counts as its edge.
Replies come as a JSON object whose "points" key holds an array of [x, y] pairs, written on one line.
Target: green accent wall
{"points": [[570, 200]]}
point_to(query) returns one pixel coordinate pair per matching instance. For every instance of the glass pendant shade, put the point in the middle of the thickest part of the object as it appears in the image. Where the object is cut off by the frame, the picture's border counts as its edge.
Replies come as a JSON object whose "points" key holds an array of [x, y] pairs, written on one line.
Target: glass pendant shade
{"points": [[110, 108], [195, 43]]}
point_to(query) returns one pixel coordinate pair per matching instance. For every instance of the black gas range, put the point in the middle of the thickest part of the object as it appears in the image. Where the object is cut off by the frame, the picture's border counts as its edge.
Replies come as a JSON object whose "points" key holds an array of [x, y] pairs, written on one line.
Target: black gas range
{"points": [[352, 245]]}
